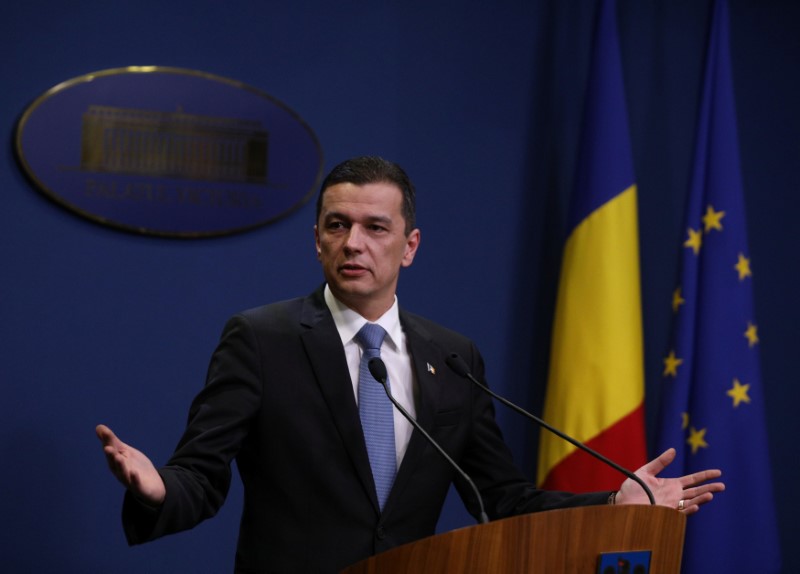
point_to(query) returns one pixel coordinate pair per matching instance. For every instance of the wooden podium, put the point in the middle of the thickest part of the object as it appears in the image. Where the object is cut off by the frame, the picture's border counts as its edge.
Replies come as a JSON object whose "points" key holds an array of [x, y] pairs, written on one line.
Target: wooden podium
{"points": [[569, 540]]}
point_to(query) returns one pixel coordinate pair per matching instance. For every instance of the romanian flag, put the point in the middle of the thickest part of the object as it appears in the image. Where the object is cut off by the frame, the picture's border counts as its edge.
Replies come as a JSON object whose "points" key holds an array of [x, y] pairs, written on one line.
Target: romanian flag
{"points": [[712, 406], [595, 390]]}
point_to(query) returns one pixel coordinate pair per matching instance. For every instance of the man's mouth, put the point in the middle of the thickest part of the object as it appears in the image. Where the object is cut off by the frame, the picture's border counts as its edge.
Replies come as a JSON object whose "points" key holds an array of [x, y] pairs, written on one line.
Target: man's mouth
{"points": [[352, 269]]}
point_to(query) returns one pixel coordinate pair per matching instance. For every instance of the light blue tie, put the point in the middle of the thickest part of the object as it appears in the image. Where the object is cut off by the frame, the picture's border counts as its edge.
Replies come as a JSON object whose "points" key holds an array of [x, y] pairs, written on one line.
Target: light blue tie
{"points": [[375, 410]]}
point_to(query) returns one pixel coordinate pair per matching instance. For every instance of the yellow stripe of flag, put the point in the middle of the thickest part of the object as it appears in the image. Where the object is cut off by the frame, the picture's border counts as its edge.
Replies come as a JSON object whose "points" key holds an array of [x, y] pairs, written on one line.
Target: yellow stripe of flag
{"points": [[596, 366]]}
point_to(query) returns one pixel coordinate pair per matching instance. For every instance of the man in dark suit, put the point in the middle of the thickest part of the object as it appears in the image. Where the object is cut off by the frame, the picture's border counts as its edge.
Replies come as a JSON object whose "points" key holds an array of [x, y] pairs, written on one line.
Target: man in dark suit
{"points": [[282, 398]]}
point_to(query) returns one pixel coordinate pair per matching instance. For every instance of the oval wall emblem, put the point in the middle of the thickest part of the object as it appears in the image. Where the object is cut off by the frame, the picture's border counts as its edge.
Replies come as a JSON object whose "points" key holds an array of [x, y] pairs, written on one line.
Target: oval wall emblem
{"points": [[169, 152]]}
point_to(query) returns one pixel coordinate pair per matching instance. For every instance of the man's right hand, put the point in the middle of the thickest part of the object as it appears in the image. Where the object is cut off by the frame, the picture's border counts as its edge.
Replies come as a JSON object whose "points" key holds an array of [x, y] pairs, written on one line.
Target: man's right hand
{"points": [[132, 468]]}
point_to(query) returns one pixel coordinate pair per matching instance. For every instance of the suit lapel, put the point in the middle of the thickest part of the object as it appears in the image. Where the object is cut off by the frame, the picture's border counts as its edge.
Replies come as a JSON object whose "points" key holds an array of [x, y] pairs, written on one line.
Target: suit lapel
{"points": [[327, 359], [425, 359]]}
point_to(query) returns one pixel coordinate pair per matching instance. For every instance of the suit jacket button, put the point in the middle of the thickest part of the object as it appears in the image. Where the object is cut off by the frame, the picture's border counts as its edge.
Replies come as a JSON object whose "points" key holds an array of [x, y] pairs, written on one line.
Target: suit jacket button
{"points": [[380, 533]]}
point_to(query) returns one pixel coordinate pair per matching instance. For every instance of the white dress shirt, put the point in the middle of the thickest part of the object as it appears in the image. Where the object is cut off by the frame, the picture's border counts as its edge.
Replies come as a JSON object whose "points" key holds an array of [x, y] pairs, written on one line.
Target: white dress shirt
{"points": [[395, 355]]}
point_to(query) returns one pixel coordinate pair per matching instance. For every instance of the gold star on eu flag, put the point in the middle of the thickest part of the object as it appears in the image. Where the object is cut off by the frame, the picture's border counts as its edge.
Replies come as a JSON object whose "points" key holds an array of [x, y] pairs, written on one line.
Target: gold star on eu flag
{"points": [[743, 267], [713, 219], [738, 393], [677, 300], [697, 439], [671, 364], [695, 240], [751, 334]]}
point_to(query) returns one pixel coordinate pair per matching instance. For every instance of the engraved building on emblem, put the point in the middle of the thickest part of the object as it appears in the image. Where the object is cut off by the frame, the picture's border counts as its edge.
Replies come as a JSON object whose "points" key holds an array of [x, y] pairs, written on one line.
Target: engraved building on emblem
{"points": [[173, 144]]}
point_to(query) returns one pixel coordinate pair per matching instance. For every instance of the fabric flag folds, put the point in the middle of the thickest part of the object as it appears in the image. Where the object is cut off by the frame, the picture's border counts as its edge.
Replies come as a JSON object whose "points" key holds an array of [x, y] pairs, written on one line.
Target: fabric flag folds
{"points": [[595, 389], [712, 406]]}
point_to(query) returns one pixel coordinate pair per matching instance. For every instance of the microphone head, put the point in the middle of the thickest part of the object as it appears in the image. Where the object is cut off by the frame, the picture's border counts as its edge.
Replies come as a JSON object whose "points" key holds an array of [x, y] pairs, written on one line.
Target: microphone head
{"points": [[377, 369], [459, 365]]}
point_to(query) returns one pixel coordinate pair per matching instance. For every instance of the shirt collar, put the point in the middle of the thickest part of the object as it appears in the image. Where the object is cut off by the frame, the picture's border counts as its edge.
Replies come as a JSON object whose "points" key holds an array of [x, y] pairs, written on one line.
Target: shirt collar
{"points": [[349, 322]]}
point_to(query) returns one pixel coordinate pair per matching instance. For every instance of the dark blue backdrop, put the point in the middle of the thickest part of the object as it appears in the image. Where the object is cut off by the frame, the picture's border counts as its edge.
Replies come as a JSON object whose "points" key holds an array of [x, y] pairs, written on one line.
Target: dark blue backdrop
{"points": [[481, 103]]}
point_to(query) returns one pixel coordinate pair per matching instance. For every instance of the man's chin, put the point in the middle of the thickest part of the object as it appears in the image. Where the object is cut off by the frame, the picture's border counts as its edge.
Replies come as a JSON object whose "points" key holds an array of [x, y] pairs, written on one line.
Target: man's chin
{"points": [[350, 290]]}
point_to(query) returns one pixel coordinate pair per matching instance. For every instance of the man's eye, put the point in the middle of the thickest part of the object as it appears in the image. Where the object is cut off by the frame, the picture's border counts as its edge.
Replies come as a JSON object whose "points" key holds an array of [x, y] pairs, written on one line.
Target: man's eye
{"points": [[336, 225]]}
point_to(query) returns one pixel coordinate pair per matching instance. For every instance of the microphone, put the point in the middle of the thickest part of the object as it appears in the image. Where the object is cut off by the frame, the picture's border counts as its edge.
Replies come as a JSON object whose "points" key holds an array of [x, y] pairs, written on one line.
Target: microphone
{"points": [[459, 365], [377, 369]]}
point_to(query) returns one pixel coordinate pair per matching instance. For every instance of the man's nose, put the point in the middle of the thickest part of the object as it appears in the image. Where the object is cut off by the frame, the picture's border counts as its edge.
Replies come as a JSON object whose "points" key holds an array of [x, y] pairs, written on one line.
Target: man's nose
{"points": [[355, 238]]}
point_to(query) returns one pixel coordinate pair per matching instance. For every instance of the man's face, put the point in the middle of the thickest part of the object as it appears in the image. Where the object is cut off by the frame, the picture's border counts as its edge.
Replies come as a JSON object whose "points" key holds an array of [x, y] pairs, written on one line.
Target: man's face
{"points": [[362, 245]]}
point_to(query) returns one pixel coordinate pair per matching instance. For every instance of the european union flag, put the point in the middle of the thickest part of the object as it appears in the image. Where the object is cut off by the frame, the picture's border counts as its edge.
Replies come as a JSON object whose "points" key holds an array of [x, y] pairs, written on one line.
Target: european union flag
{"points": [[712, 407]]}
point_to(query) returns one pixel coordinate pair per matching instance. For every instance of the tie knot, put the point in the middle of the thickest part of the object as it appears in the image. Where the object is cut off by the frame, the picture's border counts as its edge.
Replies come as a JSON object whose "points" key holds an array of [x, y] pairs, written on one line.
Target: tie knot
{"points": [[370, 336]]}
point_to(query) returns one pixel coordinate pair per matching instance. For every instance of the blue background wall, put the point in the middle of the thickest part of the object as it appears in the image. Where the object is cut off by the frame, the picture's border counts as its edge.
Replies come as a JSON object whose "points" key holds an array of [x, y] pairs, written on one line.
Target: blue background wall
{"points": [[481, 102]]}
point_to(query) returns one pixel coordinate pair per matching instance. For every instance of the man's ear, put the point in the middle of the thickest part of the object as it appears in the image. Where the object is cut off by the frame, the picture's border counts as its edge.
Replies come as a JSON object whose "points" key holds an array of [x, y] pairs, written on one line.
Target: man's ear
{"points": [[412, 244]]}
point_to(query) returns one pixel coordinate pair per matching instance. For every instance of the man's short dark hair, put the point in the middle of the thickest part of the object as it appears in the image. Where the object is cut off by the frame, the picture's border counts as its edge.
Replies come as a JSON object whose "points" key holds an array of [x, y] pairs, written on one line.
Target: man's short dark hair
{"points": [[373, 169]]}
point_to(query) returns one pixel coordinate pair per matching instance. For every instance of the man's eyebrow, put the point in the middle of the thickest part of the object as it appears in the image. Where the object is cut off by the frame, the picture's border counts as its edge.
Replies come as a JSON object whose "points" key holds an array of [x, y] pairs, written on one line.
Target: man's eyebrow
{"points": [[334, 215], [385, 219]]}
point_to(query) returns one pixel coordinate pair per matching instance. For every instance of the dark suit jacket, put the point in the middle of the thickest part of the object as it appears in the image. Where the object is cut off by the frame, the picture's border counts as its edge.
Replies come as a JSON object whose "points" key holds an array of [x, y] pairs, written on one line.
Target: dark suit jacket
{"points": [[279, 400]]}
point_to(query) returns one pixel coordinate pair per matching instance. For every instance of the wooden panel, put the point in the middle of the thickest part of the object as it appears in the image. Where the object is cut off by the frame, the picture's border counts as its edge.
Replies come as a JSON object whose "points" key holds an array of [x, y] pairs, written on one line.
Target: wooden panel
{"points": [[567, 541]]}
